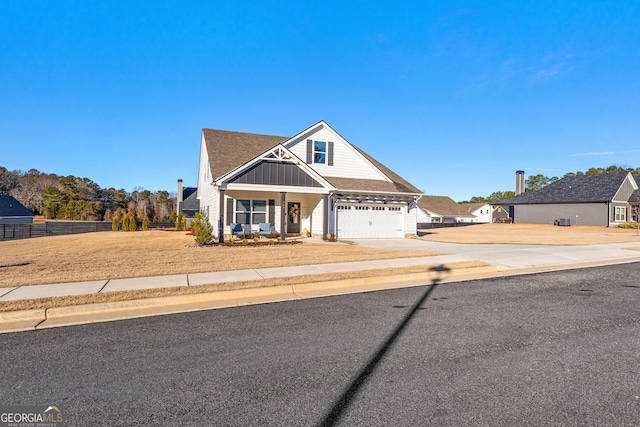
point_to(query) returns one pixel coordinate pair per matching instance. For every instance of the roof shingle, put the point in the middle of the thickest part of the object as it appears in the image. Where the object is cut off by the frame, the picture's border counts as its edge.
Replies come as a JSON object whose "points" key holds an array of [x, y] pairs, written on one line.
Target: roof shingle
{"points": [[227, 150], [573, 189], [9, 206], [442, 205]]}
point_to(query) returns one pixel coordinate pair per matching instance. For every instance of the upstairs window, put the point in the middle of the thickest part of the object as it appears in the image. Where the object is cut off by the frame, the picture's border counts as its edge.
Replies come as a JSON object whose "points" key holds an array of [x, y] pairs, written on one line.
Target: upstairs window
{"points": [[319, 152]]}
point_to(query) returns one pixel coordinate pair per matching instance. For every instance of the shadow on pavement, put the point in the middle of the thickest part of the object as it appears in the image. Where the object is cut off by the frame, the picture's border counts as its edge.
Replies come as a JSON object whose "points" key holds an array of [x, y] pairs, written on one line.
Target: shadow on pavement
{"points": [[345, 399]]}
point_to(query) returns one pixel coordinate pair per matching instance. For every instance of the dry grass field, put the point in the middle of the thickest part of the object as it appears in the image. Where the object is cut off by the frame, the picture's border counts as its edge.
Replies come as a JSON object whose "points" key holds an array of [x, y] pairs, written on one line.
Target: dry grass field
{"points": [[109, 255], [531, 234]]}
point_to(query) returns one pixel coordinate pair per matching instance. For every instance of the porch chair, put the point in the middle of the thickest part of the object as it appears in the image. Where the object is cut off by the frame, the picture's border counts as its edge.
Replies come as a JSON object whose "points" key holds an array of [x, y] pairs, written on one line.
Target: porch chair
{"points": [[267, 230], [246, 230], [236, 229]]}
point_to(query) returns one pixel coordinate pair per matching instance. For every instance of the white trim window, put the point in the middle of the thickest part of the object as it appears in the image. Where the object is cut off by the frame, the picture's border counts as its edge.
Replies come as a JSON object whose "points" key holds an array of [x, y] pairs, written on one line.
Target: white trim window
{"points": [[621, 213], [320, 152], [250, 211]]}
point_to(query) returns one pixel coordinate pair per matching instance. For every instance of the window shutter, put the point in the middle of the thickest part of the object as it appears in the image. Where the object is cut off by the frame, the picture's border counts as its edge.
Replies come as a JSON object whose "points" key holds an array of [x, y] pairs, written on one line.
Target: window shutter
{"points": [[330, 154], [229, 211], [309, 151], [272, 212]]}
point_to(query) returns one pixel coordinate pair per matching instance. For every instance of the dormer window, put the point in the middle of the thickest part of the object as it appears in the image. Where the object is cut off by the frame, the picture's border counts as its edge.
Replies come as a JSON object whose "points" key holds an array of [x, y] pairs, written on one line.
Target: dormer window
{"points": [[319, 152]]}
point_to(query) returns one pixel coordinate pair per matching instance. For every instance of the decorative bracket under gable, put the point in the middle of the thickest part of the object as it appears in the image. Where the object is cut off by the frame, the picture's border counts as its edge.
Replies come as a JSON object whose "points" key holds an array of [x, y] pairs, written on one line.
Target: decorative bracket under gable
{"points": [[277, 153]]}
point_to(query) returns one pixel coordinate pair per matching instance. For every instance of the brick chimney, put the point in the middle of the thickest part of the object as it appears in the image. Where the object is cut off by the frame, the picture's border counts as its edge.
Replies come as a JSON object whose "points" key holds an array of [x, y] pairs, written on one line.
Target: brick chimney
{"points": [[519, 182], [179, 196]]}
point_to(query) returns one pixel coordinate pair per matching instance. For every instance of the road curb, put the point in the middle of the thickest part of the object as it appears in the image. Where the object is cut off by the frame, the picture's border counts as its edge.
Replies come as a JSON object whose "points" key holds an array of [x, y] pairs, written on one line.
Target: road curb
{"points": [[24, 320], [369, 284]]}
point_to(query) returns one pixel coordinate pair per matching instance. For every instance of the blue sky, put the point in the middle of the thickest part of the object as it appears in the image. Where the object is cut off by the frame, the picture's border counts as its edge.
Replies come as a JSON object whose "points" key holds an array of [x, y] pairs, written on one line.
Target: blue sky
{"points": [[455, 96]]}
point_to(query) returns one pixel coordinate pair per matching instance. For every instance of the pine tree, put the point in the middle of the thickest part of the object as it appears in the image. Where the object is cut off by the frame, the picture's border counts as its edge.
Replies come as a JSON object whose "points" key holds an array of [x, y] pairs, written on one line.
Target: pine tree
{"points": [[133, 224], [203, 229]]}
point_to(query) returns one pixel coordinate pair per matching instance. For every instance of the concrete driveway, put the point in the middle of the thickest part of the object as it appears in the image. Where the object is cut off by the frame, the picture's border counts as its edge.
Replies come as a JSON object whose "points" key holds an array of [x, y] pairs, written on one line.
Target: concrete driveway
{"points": [[512, 256]]}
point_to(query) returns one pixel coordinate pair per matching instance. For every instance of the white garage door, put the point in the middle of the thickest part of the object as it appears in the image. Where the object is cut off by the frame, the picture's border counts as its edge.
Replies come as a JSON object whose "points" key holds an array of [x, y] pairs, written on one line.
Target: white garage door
{"points": [[377, 222]]}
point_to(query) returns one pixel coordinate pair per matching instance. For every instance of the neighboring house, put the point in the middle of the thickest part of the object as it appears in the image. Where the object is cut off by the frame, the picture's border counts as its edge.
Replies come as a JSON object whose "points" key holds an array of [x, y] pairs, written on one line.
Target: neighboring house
{"points": [[314, 183], [500, 214], [483, 212], [187, 201], [604, 199], [441, 209], [13, 212]]}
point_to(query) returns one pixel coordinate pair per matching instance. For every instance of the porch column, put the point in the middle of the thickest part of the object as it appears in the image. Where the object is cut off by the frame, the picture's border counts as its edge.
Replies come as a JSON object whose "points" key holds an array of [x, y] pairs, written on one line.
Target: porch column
{"points": [[325, 217], [221, 218], [283, 214]]}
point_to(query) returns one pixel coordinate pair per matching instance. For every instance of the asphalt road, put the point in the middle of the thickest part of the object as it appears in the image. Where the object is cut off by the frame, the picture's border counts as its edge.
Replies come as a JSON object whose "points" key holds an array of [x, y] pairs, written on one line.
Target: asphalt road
{"points": [[557, 348]]}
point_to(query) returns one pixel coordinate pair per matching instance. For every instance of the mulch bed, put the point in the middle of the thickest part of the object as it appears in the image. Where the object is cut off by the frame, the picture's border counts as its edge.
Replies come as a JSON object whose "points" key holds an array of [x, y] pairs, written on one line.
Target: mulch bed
{"points": [[248, 244]]}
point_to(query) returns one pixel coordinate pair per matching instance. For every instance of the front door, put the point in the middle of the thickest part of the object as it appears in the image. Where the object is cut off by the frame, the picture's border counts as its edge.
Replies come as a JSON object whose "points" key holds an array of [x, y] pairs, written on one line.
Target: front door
{"points": [[293, 217]]}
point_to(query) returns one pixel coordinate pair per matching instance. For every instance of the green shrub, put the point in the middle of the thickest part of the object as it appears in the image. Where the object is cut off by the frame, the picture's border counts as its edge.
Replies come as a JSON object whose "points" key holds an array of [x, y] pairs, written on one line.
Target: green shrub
{"points": [[629, 224], [181, 222], [115, 223], [202, 228], [145, 223]]}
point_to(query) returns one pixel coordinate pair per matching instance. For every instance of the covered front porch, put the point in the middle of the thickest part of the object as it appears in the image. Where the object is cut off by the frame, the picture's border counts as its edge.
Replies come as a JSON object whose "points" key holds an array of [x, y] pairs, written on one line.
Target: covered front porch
{"points": [[287, 213]]}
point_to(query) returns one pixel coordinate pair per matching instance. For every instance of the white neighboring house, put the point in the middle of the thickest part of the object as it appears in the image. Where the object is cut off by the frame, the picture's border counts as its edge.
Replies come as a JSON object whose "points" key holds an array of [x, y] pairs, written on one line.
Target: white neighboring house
{"points": [[441, 209], [315, 183], [483, 212]]}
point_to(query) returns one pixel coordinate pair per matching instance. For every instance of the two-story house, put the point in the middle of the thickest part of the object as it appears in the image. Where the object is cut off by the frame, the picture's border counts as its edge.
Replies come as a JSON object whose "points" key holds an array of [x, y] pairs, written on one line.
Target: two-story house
{"points": [[315, 183]]}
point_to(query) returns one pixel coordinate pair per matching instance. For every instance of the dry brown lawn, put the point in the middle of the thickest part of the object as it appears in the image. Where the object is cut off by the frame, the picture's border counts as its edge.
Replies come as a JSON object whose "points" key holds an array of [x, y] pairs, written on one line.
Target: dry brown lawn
{"points": [[531, 234], [109, 255]]}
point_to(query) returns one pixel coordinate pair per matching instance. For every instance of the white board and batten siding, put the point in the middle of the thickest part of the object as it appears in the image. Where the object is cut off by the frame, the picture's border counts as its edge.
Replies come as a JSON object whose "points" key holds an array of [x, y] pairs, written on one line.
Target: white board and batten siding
{"points": [[208, 195], [411, 221], [370, 222], [347, 162]]}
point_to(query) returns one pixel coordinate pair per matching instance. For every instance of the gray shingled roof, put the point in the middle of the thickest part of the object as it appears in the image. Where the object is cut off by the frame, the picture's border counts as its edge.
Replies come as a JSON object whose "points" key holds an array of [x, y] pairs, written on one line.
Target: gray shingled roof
{"points": [[228, 150], [9, 206], [635, 197], [573, 189], [190, 200], [442, 205]]}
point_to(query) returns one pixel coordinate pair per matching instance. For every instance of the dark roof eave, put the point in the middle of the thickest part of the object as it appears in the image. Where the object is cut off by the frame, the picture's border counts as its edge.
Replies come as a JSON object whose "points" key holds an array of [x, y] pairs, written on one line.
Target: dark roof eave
{"points": [[548, 203]]}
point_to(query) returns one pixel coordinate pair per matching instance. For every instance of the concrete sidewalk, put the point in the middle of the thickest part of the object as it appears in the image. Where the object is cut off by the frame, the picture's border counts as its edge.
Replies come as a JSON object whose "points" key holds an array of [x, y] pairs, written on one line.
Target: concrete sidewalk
{"points": [[103, 286], [502, 260]]}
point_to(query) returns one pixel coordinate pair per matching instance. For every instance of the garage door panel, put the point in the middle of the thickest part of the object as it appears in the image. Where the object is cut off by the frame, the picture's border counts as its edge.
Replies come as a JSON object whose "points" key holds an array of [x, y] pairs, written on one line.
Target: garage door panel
{"points": [[363, 221]]}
